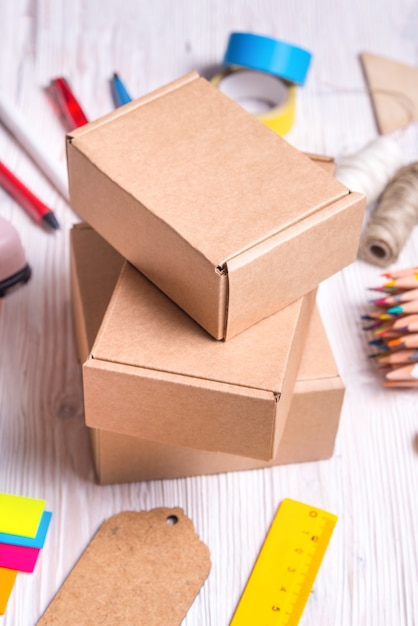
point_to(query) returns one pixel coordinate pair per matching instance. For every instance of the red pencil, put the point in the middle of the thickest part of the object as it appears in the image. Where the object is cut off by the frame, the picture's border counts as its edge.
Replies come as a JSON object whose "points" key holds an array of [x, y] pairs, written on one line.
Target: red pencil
{"points": [[401, 273], [39, 212]]}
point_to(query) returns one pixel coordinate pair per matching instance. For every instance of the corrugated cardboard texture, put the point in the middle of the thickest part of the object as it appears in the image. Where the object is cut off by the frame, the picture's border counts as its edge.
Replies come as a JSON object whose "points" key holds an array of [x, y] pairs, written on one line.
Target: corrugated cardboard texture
{"points": [[155, 373], [309, 434], [140, 568], [95, 268], [313, 417], [206, 216]]}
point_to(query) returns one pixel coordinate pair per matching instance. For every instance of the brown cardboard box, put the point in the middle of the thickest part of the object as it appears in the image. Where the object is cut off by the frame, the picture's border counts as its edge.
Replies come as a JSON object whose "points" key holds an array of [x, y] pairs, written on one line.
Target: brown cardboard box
{"points": [[154, 373], [222, 214], [314, 413], [309, 434]]}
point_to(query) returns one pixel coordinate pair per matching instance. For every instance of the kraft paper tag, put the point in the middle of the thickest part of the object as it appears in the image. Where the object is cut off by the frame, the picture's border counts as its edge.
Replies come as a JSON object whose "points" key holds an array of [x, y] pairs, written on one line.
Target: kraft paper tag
{"points": [[143, 568], [393, 90]]}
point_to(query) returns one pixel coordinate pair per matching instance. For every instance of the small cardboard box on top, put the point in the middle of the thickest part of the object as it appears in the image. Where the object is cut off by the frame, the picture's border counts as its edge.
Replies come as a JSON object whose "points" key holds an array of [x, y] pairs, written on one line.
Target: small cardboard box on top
{"points": [[223, 215], [311, 426]]}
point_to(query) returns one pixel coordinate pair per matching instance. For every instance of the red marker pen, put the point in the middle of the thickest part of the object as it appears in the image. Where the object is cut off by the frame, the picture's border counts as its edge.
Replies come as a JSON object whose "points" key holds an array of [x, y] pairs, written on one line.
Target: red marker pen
{"points": [[28, 201]]}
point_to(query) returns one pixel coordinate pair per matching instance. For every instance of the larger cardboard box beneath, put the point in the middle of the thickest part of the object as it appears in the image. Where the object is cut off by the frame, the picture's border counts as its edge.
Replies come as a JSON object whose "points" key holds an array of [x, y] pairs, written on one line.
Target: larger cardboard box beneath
{"points": [[312, 422], [154, 373], [222, 214]]}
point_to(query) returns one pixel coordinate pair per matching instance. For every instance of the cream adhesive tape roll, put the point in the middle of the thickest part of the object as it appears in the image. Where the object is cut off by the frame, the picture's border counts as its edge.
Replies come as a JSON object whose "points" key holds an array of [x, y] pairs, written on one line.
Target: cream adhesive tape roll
{"points": [[271, 99]]}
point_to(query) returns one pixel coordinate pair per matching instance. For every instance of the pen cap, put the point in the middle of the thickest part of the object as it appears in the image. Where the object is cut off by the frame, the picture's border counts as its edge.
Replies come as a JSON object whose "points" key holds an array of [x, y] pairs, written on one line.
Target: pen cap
{"points": [[13, 265]]}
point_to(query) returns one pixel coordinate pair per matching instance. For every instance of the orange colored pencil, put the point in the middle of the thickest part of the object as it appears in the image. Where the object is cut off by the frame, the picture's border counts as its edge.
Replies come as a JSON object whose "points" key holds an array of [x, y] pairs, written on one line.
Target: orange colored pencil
{"points": [[405, 341], [400, 383]]}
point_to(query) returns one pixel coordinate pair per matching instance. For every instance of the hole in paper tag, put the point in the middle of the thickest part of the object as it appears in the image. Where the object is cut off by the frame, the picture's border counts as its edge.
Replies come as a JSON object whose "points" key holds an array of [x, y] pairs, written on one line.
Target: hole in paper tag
{"points": [[141, 567]]}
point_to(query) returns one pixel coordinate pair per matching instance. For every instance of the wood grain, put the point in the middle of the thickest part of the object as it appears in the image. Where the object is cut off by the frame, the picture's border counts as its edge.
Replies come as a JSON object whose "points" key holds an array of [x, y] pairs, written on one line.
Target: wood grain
{"points": [[369, 574]]}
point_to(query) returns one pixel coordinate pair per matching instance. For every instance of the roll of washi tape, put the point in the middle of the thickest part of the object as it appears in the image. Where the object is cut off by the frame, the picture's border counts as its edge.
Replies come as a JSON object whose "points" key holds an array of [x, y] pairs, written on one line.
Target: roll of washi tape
{"points": [[268, 55], [270, 99]]}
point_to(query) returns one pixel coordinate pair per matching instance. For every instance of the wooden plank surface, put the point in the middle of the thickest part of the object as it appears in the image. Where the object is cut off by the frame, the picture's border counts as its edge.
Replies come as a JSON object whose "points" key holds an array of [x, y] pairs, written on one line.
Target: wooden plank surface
{"points": [[369, 575]]}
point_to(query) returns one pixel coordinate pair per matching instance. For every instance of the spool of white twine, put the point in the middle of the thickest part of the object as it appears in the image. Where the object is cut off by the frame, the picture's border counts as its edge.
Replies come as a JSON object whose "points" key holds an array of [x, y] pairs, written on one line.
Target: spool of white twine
{"points": [[369, 170]]}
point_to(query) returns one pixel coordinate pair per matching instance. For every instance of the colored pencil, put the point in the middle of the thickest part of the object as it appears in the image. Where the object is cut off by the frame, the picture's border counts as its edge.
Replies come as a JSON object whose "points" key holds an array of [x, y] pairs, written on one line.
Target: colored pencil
{"points": [[401, 273], [394, 326], [407, 282], [388, 333], [404, 296], [402, 309], [377, 315], [401, 383], [396, 358], [407, 323], [405, 341], [406, 372], [384, 289]]}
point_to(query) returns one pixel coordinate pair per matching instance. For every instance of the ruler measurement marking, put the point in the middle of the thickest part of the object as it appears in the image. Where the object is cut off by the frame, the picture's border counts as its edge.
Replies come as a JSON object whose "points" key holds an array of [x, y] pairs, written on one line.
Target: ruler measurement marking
{"points": [[285, 570]]}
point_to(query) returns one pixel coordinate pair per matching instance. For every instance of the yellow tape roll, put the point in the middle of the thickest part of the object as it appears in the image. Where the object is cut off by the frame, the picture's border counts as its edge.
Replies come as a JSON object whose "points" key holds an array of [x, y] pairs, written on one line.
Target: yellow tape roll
{"points": [[271, 99]]}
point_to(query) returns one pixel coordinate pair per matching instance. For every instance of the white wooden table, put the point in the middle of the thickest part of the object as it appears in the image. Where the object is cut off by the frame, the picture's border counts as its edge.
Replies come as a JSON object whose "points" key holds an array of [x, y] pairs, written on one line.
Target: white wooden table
{"points": [[369, 575]]}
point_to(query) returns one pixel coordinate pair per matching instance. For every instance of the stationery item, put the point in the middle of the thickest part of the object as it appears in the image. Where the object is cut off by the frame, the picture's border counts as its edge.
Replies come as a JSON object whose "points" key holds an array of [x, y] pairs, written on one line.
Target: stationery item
{"points": [[403, 283], [405, 341], [38, 211], [119, 91], [20, 515], [281, 581], [407, 372], [20, 558], [385, 331], [408, 271], [393, 91], [140, 568], [405, 296], [391, 223], [370, 169], [7, 581], [401, 383], [17, 124], [405, 307], [391, 290], [68, 105], [377, 315], [396, 358], [30, 542], [268, 97], [268, 55], [407, 323], [14, 269]]}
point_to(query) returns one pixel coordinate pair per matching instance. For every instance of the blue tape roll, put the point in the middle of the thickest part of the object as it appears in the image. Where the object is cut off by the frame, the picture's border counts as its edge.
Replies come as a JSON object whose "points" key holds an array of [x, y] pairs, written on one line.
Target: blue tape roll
{"points": [[268, 55]]}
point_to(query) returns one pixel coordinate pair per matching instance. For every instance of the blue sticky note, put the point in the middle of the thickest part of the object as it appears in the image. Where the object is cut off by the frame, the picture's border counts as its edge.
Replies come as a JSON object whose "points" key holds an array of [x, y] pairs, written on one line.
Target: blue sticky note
{"points": [[30, 542]]}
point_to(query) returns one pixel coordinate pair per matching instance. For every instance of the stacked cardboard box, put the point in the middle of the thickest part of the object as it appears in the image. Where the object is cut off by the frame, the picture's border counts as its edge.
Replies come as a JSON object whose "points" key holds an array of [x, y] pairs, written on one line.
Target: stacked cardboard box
{"points": [[193, 318]]}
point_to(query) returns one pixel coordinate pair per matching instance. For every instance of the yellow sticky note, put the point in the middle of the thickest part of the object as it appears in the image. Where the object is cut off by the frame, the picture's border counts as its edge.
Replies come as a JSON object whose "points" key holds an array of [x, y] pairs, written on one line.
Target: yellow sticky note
{"points": [[20, 515], [7, 580]]}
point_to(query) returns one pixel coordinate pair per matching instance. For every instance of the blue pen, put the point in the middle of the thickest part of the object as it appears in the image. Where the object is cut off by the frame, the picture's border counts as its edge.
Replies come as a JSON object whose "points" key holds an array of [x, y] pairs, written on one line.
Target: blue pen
{"points": [[120, 95]]}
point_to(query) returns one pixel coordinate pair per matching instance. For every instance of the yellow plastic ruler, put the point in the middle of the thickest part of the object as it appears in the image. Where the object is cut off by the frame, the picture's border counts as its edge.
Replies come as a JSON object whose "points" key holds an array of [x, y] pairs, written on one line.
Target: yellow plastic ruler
{"points": [[285, 571]]}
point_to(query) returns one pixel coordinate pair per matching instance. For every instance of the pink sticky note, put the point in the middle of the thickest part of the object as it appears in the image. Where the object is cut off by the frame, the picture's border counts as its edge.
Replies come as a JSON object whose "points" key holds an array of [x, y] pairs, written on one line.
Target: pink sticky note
{"points": [[18, 558]]}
